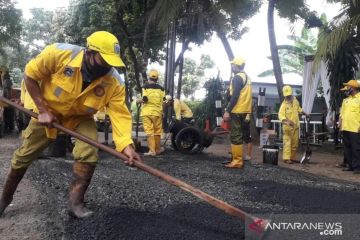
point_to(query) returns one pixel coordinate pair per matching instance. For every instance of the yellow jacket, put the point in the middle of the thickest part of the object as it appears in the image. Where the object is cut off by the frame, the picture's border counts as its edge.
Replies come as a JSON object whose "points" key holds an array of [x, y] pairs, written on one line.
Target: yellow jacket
{"points": [[25, 97], [57, 68], [290, 111], [181, 110], [154, 95], [244, 102], [350, 114]]}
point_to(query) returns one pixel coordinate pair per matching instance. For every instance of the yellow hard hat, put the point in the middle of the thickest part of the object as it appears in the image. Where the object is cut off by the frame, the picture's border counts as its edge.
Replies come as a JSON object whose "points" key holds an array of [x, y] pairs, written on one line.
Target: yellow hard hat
{"points": [[238, 61], [352, 83], [154, 74], [107, 45], [287, 91]]}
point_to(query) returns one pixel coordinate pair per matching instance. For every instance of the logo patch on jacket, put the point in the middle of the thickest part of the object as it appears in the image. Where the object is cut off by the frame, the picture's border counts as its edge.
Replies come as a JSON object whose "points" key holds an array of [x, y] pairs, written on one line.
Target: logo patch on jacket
{"points": [[99, 91], [68, 71]]}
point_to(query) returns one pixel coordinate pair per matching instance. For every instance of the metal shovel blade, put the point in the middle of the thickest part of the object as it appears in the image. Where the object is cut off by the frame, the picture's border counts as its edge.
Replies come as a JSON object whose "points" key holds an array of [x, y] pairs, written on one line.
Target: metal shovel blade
{"points": [[306, 157]]}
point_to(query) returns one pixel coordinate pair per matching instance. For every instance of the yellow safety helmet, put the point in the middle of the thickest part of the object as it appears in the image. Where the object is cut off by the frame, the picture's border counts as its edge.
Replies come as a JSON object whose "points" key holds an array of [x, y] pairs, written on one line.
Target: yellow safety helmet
{"points": [[238, 61], [154, 74], [287, 91], [352, 83], [107, 45]]}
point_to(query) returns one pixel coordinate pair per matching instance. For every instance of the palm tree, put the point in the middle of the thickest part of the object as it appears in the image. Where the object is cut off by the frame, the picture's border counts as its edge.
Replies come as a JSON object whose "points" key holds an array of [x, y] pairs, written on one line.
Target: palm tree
{"points": [[274, 50], [292, 10], [339, 46], [292, 56]]}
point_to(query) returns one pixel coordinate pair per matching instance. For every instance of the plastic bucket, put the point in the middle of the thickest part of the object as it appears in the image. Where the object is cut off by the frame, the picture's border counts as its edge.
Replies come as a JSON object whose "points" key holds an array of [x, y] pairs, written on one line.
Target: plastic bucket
{"points": [[270, 154]]}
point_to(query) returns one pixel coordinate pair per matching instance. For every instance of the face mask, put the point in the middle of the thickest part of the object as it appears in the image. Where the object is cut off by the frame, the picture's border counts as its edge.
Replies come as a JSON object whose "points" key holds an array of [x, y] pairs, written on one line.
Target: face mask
{"points": [[95, 71], [349, 92], [288, 98]]}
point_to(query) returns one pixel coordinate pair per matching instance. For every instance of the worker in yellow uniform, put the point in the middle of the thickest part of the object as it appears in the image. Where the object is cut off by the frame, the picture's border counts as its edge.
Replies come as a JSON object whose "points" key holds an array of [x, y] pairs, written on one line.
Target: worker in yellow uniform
{"points": [[289, 117], [238, 112], [27, 102], [350, 126], [152, 111], [345, 89], [182, 110], [75, 83]]}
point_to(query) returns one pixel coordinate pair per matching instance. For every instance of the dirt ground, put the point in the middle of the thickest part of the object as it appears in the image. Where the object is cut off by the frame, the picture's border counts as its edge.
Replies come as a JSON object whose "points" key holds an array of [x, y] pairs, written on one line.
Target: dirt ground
{"points": [[131, 204], [323, 160]]}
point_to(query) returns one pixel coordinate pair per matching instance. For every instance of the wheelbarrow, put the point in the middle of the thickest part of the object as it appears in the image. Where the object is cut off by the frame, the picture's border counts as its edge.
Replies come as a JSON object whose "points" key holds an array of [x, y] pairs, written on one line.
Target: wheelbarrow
{"points": [[187, 138]]}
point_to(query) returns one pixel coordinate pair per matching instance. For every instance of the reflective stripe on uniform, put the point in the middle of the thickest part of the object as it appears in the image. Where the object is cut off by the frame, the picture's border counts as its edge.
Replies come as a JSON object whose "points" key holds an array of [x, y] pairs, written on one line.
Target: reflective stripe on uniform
{"points": [[117, 76], [73, 48]]}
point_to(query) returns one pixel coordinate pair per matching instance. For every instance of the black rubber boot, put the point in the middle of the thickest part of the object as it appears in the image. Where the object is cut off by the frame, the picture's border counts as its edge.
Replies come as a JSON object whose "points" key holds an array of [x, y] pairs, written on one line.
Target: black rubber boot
{"points": [[83, 173], [12, 181]]}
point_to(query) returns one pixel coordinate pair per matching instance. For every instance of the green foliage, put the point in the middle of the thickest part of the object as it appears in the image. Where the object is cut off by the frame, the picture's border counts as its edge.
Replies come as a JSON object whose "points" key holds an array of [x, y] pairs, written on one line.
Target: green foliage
{"points": [[197, 20], [10, 28], [339, 46], [342, 67], [206, 109], [126, 20], [340, 29], [37, 31], [16, 77], [295, 10], [9, 23], [193, 74]]}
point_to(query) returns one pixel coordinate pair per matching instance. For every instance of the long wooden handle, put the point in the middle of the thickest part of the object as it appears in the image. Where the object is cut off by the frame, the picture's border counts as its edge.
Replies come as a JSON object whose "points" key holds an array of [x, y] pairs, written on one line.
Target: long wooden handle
{"points": [[227, 208]]}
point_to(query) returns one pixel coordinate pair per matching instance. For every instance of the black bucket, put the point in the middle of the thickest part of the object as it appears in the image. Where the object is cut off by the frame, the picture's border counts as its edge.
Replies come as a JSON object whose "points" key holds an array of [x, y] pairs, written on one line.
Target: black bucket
{"points": [[270, 154]]}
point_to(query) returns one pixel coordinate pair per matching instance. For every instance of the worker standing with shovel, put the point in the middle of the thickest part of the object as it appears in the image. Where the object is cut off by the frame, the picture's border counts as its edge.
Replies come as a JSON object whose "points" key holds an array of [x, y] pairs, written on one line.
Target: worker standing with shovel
{"points": [[152, 111], [75, 83], [289, 117]]}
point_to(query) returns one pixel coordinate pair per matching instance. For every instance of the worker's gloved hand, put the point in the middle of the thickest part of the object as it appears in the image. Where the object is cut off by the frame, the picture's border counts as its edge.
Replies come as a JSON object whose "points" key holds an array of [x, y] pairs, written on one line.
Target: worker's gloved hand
{"points": [[226, 116], [129, 151], [247, 118], [46, 118]]}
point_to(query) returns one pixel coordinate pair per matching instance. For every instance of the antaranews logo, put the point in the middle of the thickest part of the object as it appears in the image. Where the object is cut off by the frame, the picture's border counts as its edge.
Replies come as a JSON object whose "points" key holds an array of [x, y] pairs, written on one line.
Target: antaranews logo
{"points": [[257, 226], [324, 228]]}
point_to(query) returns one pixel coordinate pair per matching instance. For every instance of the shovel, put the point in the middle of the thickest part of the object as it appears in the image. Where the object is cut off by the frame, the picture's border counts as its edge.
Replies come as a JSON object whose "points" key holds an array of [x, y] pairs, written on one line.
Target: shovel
{"points": [[306, 157], [137, 142]]}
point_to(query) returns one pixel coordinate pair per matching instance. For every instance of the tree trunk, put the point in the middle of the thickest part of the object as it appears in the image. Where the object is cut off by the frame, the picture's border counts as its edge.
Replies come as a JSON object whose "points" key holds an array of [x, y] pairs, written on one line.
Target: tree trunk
{"points": [[274, 50], [221, 34], [181, 66], [181, 54], [225, 43], [130, 47], [145, 55]]}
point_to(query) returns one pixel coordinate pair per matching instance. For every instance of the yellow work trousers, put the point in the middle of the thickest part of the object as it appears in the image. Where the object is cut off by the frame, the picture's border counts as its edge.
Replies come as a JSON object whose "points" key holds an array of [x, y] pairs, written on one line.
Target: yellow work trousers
{"points": [[152, 125], [153, 129], [290, 142], [35, 141]]}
